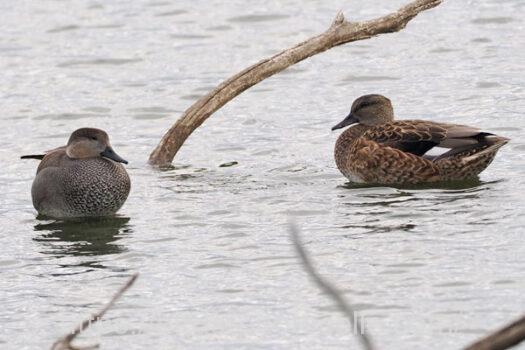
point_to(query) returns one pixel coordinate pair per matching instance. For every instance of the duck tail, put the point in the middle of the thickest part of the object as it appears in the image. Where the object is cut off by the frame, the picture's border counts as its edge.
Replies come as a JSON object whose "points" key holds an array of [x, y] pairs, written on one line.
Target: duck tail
{"points": [[33, 156], [488, 144], [494, 143]]}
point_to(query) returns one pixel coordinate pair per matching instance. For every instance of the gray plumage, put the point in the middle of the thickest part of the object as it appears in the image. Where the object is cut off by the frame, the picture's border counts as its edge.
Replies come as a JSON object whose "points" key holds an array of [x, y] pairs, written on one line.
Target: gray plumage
{"points": [[80, 179]]}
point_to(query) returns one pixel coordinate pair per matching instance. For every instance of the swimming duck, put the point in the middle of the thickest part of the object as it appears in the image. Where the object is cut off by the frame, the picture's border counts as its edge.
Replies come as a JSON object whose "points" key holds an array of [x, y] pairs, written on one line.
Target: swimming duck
{"points": [[83, 178], [380, 150]]}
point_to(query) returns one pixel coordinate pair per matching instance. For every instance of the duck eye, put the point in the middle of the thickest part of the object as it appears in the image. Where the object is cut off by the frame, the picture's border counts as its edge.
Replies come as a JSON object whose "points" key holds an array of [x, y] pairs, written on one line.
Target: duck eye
{"points": [[366, 104], [93, 138]]}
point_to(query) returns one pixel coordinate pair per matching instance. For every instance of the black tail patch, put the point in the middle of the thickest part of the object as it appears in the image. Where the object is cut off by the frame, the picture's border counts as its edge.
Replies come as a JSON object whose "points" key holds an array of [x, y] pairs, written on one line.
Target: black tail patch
{"points": [[33, 156]]}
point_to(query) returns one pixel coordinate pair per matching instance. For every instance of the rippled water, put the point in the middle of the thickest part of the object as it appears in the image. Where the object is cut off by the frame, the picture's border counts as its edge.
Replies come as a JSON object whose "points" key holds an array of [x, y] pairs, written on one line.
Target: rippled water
{"points": [[426, 267]]}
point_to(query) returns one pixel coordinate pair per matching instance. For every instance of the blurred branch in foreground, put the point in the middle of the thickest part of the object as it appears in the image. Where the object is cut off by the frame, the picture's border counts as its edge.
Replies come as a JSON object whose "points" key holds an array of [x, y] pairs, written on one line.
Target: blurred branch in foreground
{"points": [[64, 343], [505, 338], [343, 305], [340, 32]]}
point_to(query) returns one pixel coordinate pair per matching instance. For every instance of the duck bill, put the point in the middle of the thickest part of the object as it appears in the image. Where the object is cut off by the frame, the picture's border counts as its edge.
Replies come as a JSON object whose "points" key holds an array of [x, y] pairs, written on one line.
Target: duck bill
{"points": [[349, 120], [110, 154]]}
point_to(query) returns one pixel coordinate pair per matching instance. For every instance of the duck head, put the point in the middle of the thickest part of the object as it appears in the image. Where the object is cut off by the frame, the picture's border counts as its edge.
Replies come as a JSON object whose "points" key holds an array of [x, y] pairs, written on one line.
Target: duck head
{"points": [[89, 143], [368, 110]]}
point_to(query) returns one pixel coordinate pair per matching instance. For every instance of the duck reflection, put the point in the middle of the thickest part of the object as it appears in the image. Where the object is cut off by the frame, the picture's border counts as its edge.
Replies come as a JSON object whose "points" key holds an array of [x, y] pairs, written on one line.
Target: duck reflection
{"points": [[443, 185], [83, 236], [414, 208]]}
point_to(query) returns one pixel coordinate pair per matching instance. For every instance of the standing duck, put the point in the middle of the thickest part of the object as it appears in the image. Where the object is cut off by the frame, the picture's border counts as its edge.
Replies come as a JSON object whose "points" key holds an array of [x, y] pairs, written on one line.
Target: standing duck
{"points": [[381, 150], [83, 178]]}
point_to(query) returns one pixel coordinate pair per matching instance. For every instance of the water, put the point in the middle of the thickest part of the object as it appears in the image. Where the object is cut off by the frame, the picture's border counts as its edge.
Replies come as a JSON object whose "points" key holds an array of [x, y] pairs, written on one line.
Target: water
{"points": [[426, 267]]}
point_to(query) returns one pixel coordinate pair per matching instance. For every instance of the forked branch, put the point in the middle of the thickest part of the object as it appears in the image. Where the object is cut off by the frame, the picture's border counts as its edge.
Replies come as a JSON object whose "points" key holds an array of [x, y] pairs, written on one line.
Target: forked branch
{"points": [[340, 32]]}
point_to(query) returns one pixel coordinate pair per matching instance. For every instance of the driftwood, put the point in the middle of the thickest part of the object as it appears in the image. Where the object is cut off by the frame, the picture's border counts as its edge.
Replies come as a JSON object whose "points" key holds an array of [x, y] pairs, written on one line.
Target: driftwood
{"points": [[340, 32], [64, 343], [505, 338]]}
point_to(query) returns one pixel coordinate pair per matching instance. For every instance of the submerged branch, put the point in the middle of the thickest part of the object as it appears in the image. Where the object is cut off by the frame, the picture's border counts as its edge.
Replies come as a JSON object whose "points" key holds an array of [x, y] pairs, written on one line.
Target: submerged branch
{"points": [[340, 32], [64, 343]]}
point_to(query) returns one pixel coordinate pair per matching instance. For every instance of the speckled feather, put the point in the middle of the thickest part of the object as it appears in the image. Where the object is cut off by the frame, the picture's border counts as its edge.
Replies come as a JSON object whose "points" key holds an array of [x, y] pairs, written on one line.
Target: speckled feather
{"points": [[407, 131], [66, 187]]}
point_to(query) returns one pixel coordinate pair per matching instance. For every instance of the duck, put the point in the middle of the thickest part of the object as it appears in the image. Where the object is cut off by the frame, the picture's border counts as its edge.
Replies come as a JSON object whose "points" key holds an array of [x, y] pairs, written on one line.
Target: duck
{"points": [[377, 149], [84, 178]]}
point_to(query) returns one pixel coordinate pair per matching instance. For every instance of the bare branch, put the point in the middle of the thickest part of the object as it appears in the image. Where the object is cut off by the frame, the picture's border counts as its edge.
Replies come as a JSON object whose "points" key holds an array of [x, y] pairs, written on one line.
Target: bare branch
{"points": [[343, 305], [505, 338], [340, 32], [64, 343]]}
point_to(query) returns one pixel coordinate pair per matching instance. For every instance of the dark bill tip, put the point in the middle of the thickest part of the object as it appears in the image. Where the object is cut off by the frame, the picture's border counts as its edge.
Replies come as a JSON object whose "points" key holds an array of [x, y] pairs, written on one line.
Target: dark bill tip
{"points": [[349, 120], [110, 154]]}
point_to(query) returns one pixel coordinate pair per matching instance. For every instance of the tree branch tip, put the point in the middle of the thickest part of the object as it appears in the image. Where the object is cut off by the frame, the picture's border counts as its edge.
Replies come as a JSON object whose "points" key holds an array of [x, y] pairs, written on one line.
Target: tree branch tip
{"points": [[339, 19], [64, 343], [427, 5]]}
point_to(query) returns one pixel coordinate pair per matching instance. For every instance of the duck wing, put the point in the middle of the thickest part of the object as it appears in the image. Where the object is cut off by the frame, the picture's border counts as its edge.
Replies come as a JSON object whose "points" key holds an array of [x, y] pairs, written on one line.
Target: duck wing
{"points": [[419, 136]]}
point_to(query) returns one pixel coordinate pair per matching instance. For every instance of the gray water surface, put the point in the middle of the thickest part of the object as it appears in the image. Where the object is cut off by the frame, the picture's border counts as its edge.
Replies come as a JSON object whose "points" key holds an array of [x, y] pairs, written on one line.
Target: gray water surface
{"points": [[429, 268]]}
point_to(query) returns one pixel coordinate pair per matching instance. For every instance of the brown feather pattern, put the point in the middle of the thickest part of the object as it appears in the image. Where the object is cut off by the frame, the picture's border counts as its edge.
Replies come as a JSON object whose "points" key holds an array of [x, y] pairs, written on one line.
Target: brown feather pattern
{"points": [[392, 153]]}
